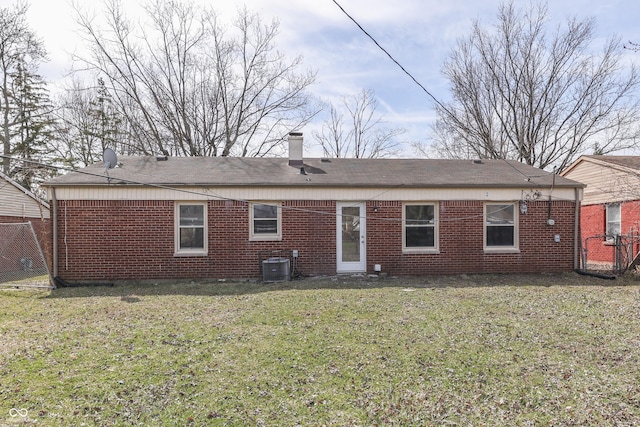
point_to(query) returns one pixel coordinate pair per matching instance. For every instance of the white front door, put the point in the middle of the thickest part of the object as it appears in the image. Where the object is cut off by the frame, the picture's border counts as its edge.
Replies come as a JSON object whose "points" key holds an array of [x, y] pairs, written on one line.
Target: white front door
{"points": [[351, 236]]}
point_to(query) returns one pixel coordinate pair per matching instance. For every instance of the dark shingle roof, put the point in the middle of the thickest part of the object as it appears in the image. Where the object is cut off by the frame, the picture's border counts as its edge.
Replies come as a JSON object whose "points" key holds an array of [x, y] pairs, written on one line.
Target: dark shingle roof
{"points": [[243, 171]]}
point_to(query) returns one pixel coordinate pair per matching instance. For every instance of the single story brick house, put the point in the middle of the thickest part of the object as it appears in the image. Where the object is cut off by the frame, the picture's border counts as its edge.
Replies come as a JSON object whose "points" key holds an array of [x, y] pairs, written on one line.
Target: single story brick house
{"points": [[610, 209], [200, 217]]}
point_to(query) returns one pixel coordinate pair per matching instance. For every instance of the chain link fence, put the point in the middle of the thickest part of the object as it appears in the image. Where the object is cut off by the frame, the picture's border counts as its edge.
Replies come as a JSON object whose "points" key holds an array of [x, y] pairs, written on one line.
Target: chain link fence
{"points": [[611, 254], [22, 262]]}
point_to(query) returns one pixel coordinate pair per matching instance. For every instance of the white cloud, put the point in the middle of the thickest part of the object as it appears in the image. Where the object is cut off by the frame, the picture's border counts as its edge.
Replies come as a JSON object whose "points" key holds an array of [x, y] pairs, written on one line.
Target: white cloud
{"points": [[418, 33]]}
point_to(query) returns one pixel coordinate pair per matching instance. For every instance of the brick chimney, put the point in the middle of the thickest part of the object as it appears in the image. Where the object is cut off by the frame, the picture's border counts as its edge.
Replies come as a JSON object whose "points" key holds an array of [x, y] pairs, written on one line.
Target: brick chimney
{"points": [[295, 149]]}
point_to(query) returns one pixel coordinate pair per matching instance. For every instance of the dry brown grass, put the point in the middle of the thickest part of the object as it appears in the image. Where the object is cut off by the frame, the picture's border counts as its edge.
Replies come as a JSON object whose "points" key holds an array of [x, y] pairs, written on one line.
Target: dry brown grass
{"points": [[460, 350]]}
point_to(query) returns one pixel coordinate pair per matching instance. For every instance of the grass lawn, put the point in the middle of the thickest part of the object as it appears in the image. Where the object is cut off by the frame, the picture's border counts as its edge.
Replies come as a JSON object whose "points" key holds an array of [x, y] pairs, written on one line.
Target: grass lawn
{"points": [[464, 350]]}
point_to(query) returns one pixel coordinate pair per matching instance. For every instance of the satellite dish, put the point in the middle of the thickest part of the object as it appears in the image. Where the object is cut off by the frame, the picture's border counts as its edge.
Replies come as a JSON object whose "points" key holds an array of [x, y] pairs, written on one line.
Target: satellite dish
{"points": [[109, 158]]}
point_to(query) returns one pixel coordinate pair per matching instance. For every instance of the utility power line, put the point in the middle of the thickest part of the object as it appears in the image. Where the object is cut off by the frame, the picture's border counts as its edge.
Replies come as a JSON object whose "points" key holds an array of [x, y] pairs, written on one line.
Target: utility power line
{"points": [[424, 89], [210, 195], [389, 55]]}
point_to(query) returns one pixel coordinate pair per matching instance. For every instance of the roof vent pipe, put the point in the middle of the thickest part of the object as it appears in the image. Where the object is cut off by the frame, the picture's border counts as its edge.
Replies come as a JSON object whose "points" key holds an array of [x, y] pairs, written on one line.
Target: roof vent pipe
{"points": [[295, 149]]}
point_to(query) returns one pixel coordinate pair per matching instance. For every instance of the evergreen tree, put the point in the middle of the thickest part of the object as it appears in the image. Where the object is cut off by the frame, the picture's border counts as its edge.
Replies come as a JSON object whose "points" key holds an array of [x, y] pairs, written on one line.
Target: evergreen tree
{"points": [[33, 128], [25, 121]]}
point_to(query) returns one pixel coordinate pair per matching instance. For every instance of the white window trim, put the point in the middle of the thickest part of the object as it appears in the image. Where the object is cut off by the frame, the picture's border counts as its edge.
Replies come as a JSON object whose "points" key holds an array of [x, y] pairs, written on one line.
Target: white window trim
{"points": [[176, 235], [265, 237], [608, 238], [516, 230], [436, 235]]}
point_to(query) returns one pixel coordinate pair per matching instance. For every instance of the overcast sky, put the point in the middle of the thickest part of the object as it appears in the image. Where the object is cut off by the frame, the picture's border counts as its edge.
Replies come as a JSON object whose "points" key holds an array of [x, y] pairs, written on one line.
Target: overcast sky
{"points": [[418, 33]]}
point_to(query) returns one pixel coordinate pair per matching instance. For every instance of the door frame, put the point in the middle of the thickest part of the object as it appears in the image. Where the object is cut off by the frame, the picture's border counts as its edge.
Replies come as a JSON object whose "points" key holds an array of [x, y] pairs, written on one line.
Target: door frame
{"points": [[351, 266]]}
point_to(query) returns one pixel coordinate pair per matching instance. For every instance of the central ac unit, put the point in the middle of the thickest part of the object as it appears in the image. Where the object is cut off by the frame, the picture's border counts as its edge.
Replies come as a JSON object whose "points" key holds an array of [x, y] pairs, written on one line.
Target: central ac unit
{"points": [[276, 269]]}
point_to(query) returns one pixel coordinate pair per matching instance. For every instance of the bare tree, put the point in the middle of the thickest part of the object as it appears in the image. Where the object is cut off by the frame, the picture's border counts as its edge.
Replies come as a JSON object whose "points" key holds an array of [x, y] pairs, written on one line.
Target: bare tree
{"points": [[362, 134], [88, 122], [632, 46], [519, 93], [188, 86], [23, 96]]}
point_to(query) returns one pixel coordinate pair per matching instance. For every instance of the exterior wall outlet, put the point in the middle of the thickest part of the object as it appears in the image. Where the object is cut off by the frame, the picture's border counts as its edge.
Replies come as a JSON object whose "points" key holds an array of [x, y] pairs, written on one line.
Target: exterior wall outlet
{"points": [[556, 238]]}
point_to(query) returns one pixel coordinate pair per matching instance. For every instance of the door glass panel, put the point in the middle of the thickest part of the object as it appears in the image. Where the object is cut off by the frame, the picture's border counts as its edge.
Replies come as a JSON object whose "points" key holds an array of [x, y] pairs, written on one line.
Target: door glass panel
{"points": [[351, 234]]}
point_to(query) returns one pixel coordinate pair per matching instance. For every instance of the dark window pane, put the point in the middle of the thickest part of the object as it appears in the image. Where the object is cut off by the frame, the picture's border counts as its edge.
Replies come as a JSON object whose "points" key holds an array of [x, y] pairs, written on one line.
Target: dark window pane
{"points": [[265, 226], [500, 236], [265, 211], [420, 237], [191, 238]]}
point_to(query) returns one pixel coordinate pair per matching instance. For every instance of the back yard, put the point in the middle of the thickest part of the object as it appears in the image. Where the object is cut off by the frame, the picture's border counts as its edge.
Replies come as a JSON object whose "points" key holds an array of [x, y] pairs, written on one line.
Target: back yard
{"points": [[463, 350]]}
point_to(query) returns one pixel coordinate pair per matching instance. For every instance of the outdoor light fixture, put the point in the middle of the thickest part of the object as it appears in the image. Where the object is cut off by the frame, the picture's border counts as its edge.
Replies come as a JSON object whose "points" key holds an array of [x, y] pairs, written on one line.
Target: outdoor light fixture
{"points": [[375, 208]]}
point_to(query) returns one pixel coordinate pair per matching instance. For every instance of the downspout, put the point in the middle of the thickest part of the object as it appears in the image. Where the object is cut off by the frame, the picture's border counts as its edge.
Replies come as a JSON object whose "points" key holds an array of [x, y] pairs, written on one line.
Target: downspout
{"points": [[576, 231], [553, 184], [54, 219]]}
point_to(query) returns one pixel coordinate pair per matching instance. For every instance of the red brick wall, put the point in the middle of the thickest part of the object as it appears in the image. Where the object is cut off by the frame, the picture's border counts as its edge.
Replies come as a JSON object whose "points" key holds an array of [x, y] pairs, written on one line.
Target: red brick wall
{"points": [[134, 240], [461, 234], [119, 240], [593, 229]]}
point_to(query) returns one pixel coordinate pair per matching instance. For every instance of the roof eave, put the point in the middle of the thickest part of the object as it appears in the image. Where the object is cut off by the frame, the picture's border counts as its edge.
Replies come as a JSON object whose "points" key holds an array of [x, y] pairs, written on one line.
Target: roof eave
{"points": [[312, 184]]}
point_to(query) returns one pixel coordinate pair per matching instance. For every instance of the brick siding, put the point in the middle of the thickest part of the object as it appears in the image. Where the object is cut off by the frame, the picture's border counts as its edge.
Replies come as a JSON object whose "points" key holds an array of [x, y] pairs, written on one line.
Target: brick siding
{"points": [[134, 240], [593, 225], [461, 237]]}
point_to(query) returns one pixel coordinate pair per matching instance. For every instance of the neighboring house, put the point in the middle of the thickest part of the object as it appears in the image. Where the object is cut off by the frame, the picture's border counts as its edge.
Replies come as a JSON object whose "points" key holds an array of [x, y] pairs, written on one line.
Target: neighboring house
{"points": [[213, 217], [18, 202], [610, 210], [19, 205]]}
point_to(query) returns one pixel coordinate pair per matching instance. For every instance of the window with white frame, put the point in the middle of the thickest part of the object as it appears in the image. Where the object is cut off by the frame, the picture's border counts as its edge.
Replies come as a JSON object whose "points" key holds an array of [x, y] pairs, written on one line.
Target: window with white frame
{"points": [[420, 229], [500, 231], [265, 221], [190, 228], [613, 221]]}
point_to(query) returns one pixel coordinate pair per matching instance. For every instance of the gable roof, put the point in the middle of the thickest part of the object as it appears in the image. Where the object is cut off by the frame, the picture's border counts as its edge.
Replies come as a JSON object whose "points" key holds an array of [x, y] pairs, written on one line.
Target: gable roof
{"points": [[244, 171], [632, 163], [15, 197], [608, 179]]}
